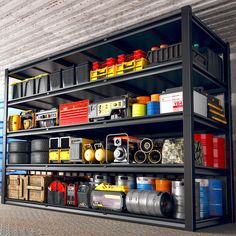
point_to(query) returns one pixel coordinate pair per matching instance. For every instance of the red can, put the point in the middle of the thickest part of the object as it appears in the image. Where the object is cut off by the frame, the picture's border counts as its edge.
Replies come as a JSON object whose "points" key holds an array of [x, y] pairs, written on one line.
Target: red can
{"points": [[139, 54], [110, 61], [121, 58], [95, 65]]}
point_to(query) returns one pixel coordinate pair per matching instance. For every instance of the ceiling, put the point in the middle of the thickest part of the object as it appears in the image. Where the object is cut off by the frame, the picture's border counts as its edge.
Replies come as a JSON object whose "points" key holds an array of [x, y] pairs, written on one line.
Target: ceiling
{"points": [[30, 29]]}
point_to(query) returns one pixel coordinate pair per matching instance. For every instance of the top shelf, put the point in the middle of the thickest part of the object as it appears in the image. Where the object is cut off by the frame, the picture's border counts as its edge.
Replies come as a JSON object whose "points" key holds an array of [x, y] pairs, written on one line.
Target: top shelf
{"points": [[153, 79]]}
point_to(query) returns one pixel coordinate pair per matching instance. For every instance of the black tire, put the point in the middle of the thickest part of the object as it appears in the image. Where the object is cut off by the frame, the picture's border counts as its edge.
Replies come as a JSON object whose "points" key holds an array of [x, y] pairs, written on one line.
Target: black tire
{"points": [[18, 158], [18, 146], [39, 157], [40, 145]]}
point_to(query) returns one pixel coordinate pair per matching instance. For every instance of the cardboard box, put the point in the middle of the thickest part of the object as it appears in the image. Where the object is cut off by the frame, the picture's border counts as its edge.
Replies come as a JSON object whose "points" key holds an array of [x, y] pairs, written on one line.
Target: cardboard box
{"points": [[173, 102]]}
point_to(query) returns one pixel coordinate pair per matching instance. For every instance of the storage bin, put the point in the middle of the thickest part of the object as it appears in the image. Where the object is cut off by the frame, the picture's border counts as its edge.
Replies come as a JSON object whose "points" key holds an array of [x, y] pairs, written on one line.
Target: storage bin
{"points": [[16, 89], [215, 63], [55, 80], [174, 52], [82, 72], [68, 77], [42, 84], [28, 87]]}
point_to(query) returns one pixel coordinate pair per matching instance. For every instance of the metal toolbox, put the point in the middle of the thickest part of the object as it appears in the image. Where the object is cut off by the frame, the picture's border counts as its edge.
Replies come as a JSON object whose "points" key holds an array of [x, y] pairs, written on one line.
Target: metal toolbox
{"points": [[74, 112]]}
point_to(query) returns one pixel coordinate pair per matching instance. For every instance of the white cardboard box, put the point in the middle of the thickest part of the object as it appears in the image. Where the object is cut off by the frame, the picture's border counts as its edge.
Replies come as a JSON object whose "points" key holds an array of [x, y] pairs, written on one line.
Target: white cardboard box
{"points": [[173, 102]]}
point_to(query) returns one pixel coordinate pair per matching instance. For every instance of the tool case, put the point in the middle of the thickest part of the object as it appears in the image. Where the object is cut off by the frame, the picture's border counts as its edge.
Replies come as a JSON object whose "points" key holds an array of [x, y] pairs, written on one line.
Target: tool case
{"points": [[74, 112], [108, 200], [57, 193]]}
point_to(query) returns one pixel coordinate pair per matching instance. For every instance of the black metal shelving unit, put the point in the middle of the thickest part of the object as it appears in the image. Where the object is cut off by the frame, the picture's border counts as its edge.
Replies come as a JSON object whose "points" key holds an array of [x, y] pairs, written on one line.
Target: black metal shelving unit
{"points": [[180, 26]]}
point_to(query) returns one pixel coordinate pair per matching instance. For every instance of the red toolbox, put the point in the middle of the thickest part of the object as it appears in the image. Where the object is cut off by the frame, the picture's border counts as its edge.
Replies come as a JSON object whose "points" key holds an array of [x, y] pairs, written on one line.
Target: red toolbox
{"points": [[73, 113]]}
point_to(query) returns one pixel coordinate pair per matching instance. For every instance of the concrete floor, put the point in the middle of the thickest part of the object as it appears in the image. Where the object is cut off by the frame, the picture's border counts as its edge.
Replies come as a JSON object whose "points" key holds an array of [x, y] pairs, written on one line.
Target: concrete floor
{"points": [[22, 221]]}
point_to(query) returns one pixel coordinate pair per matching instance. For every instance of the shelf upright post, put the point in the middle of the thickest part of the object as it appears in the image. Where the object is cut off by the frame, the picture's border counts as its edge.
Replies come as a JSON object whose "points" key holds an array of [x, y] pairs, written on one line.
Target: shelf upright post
{"points": [[228, 138], [188, 119], [4, 149]]}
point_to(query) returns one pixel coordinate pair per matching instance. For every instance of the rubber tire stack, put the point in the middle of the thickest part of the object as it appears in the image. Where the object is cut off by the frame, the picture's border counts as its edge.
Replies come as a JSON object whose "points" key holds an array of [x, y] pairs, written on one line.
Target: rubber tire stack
{"points": [[19, 152], [40, 151]]}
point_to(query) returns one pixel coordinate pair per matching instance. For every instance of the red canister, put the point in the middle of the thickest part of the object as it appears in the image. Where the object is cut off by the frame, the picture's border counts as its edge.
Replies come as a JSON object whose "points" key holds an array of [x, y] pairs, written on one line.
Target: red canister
{"points": [[110, 61], [139, 54], [121, 58]]}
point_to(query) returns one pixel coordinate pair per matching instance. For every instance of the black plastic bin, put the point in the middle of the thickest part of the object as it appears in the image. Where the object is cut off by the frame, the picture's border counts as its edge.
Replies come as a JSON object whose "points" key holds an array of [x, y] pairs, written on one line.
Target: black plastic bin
{"points": [[28, 87], [215, 63], [68, 77], [55, 80], [17, 90], [42, 84], [56, 198], [82, 72], [174, 52]]}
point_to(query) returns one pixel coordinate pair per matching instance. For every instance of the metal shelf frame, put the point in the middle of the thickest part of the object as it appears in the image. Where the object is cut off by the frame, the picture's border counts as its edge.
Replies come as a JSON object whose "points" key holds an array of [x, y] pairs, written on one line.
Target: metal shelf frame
{"points": [[185, 123]]}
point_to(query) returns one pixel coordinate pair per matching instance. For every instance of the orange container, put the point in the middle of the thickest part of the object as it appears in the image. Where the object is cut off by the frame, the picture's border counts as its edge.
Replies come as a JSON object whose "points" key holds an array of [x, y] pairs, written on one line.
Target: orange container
{"points": [[163, 185], [143, 99], [155, 97]]}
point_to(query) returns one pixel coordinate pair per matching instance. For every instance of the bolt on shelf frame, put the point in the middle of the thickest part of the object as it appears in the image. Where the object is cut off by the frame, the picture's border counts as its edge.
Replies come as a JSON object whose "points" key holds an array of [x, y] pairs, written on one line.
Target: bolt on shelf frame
{"points": [[189, 120]]}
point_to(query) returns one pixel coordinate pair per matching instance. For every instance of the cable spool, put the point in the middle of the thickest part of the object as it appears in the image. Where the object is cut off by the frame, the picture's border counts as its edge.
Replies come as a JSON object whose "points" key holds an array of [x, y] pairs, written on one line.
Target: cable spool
{"points": [[145, 183], [149, 203], [155, 97], [143, 99], [163, 185], [18, 146], [153, 108], [40, 145], [140, 157], [138, 110], [39, 158], [146, 145], [129, 181], [154, 157]]}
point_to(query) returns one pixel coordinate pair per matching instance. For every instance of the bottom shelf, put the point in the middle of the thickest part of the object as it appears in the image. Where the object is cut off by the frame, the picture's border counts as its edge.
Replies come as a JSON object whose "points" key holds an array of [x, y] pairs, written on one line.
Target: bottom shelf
{"points": [[141, 219], [158, 221]]}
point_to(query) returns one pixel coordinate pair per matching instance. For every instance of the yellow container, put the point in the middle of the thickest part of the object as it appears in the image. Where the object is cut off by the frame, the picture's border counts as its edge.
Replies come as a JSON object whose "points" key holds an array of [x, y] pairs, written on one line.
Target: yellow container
{"points": [[111, 71], [54, 155], [114, 188], [138, 110], [65, 154], [98, 74], [129, 66]]}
